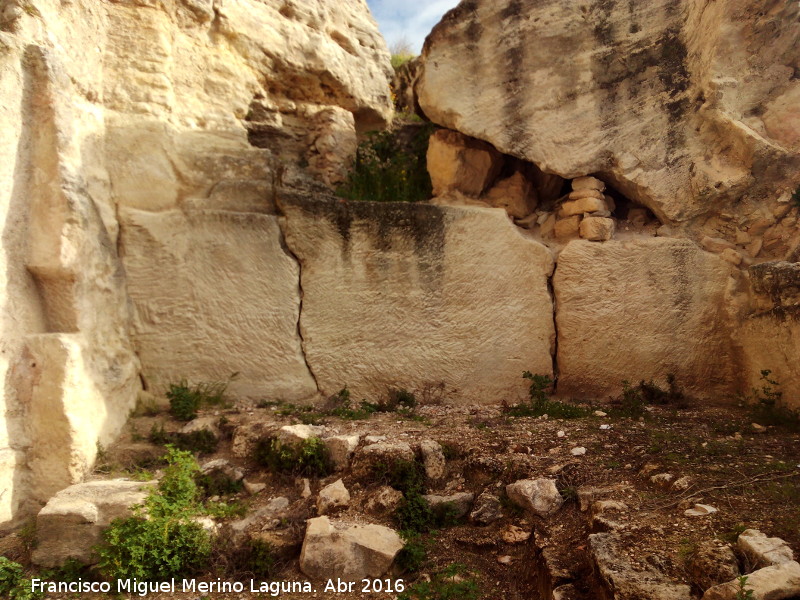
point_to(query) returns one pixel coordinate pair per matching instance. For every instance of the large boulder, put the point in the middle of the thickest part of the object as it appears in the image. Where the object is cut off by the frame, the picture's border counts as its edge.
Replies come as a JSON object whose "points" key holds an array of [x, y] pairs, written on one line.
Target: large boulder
{"points": [[686, 107], [398, 294], [71, 523], [643, 309], [334, 549]]}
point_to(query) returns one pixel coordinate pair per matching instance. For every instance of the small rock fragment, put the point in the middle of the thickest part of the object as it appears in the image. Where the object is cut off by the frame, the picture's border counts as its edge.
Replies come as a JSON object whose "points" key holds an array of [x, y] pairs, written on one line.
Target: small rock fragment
{"points": [[578, 451], [254, 488], [540, 496], [487, 509], [332, 496], [700, 510], [433, 459], [515, 535]]}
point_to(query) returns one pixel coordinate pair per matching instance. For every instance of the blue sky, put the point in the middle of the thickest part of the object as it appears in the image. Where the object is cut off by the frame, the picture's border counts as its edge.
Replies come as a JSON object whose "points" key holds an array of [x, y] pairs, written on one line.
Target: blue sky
{"points": [[409, 20]]}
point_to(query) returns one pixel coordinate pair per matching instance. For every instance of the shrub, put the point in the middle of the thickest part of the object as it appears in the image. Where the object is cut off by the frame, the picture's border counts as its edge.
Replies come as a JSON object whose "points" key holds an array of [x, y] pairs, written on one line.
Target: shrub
{"points": [[388, 170], [225, 510], [217, 483], [540, 404], [186, 400], [13, 583], [200, 442], [414, 552], [160, 540], [307, 458], [767, 405]]}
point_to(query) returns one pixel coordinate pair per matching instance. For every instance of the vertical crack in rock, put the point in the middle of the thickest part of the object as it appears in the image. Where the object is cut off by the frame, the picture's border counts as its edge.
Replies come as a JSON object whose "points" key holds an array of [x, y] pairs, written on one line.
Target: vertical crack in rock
{"points": [[554, 349], [285, 245]]}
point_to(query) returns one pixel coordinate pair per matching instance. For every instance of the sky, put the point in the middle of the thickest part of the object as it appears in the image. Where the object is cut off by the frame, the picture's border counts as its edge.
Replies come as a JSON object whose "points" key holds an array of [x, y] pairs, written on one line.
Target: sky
{"points": [[408, 20]]}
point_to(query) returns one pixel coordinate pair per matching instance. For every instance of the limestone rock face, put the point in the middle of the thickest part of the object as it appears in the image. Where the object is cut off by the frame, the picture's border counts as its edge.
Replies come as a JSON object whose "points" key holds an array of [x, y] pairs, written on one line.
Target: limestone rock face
{"points": [[408, 295], [71, 523], [643, 309], [334, 549], [197, 320], [770, 334], [182, 105], [682, 106]]}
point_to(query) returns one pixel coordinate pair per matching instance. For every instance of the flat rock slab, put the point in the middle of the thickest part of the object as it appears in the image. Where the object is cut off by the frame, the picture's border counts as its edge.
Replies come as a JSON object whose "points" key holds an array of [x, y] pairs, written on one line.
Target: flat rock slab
{"points": [[643, 309], [414, 294], [72, 522], [609, 554], [779, 582], [231, 305]]}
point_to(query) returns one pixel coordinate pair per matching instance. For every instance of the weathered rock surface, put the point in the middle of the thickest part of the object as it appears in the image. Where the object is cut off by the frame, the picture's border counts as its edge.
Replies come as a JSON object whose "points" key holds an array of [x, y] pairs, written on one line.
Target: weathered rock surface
{"points": [[713, 564], [674, 292], [779, 582], [208, 307], [425, 294], [153, 106], [332, 496], [333, 549], [770, 336], [763, 551], [457, 505], [622, 580], [655, 97], [71, 523], [340, 449], [487, 509], [539, 496], [459, 163], [433, 459]]}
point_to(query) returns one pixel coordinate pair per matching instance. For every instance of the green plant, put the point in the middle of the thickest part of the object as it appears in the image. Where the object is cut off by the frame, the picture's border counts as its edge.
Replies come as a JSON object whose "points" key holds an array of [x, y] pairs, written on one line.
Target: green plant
{"points": [[448, 584], [310, 457], [742, 593], [733, 534], [388, 169], [186, 400], [201, 441], [225, 510], [414, 513], [766, 404], [160, 540], [217, 483], [414, 553], [540, 404], [13, 583]]}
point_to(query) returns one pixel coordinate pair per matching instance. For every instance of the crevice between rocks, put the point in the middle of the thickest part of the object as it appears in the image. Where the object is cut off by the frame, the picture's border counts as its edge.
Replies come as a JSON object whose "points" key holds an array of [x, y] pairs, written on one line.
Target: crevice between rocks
{"points": [[551, 289], [282, 218]]}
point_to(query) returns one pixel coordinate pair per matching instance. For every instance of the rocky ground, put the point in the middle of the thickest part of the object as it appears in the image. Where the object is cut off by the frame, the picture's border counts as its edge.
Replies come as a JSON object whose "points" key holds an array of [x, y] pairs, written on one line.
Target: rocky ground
{"points": [[616, 518]]}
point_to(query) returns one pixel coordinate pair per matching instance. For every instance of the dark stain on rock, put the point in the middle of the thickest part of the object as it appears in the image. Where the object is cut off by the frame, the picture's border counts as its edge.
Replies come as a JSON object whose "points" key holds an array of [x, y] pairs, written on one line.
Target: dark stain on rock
{"points": [[384, 223], [512, 72], [604, 29]]}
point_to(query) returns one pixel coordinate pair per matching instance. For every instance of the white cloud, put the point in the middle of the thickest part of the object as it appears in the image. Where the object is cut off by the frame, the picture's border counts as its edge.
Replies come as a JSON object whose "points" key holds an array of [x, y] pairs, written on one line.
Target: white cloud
{"points": [[410, 20]]}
